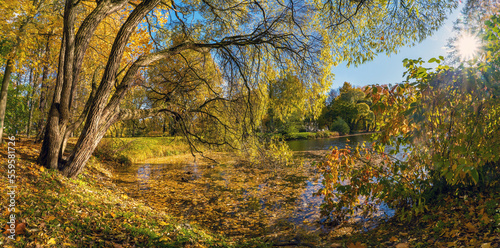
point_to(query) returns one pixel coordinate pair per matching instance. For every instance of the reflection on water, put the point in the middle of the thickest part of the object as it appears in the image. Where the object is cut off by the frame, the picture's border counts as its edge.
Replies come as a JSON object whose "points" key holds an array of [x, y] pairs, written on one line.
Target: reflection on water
{"points": [[143, 176], [232, 199], [326, 144]]}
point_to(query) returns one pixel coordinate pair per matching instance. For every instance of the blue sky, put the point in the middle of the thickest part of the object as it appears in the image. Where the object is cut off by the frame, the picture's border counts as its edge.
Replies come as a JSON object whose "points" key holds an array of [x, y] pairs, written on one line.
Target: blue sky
{"points": [[385, 70]]}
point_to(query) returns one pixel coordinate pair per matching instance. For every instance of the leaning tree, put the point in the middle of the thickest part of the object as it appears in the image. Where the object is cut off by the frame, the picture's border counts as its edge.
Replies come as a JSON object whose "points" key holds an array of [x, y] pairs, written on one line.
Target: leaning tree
{"points": [[249, 41]]}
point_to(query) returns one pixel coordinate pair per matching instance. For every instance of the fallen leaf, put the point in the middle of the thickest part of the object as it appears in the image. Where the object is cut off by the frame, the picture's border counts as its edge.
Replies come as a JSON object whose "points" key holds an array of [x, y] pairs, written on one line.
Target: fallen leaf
{"points": [[471, 227], [6, 228], [486, 245], [402, 245], [485, 219], [51, 241], [393, 239], [50, 218], [20, 228], [357, 245], [165, 238]]}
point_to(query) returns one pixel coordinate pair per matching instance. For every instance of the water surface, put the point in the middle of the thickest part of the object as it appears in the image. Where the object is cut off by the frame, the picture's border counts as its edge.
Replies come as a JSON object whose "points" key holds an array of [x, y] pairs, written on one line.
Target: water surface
{"points": [[238, 200]]}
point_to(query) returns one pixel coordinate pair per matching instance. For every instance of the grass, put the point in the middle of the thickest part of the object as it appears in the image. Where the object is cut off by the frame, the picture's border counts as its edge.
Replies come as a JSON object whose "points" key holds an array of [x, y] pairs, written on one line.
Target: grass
{"points": [[310, 135], [133, 150]]}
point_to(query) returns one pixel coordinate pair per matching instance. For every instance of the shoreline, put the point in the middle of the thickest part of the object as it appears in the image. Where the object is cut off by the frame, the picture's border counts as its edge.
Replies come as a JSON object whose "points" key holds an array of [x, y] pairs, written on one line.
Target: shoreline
{"points": [[329, 137]]}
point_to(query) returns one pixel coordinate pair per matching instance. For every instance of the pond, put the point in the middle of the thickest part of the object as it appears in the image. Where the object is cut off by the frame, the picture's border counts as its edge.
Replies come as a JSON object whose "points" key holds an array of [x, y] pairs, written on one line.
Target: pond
{"points": [[328, 143], [235, 200]]}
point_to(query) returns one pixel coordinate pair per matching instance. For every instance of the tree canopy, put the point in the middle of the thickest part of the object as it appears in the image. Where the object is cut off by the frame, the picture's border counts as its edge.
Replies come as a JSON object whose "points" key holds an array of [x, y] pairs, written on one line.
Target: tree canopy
{"points": [[105, 47]]}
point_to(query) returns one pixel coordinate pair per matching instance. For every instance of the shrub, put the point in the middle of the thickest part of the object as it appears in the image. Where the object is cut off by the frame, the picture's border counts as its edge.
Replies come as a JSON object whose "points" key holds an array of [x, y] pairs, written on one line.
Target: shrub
{"points": [[340, 126], [327, 134], [301, 135]]}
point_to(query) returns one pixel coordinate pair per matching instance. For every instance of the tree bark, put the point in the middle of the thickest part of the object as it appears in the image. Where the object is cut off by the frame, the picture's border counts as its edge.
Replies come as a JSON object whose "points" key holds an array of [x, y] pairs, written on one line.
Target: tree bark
{"points": [[44, 87], [73, 48], [98, 120], [51, 140], [3, 94]]}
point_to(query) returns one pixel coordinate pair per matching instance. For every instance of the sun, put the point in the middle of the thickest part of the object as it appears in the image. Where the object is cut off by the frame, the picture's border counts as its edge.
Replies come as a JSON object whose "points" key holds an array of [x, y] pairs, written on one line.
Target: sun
{"points": [[467, 46]]}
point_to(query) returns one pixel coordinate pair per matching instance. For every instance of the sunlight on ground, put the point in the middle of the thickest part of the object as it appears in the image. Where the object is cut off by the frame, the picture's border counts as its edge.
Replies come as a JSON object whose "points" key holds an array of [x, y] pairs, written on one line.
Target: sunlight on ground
{"points": [[467, 46]]}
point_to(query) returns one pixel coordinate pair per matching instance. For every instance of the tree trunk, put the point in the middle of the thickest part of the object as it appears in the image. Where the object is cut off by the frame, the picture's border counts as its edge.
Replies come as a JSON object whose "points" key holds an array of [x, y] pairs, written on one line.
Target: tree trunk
{"points": [[98, 119], [51, 134], [3, 94], [30, 102], [88, 141], [104, 109], [44, 88]]}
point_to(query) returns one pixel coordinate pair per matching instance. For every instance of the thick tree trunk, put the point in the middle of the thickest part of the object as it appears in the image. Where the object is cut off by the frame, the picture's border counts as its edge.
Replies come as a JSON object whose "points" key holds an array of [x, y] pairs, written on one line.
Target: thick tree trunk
{"points": [[51, 145], [3, 94], [92, 135], [88, 141], [51, 134], [97, 120]]}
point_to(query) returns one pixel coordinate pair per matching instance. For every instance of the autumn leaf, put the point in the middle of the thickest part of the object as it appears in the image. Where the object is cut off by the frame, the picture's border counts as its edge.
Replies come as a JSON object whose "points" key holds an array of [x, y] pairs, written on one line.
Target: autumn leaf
{"points": [[402, 245], [6, 228], [471, 227], [51, 241], [20, 228], [393, 239], [485, 218], [165, 239], [356, 245]]}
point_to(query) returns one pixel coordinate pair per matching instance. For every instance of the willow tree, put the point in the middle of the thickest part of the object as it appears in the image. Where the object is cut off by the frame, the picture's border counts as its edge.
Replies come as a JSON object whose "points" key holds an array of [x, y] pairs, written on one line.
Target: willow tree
{"points": [[251, 41]]}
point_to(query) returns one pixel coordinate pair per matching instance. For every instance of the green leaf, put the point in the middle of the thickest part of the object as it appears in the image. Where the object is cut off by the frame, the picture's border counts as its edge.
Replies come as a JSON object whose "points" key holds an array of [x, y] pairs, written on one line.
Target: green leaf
{"points": [[475, 175]]}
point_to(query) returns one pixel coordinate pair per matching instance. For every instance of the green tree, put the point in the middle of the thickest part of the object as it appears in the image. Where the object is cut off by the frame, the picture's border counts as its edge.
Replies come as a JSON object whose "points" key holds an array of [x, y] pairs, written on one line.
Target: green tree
{"points": [[352, 106], [340, 126]]}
